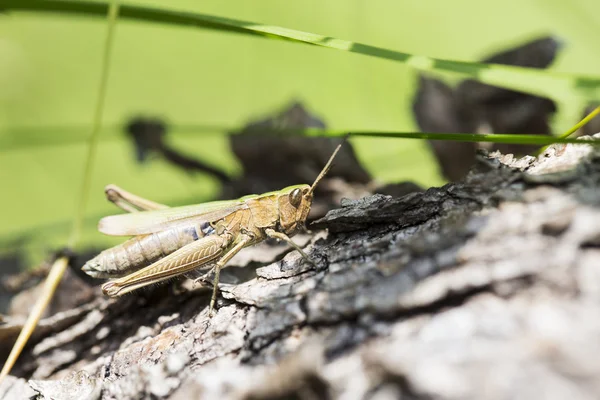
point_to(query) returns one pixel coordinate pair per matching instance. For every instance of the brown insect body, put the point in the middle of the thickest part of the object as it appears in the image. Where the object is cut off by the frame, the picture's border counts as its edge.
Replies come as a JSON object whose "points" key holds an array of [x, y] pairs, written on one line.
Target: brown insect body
{"points": [[169, 242], [284, 211]]}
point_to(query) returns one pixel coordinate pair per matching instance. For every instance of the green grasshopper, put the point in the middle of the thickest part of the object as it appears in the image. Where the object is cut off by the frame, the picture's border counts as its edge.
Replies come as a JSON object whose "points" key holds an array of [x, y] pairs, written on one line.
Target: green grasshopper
{"points": [[169, 242]]}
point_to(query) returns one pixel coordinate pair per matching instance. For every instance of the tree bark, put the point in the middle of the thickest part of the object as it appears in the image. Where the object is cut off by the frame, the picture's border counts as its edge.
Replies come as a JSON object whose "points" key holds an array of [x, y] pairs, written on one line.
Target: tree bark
{"points": [[484, 289]]}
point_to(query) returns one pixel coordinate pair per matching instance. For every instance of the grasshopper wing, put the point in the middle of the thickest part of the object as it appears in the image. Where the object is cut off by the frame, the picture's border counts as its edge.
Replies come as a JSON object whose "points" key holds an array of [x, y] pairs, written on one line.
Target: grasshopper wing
{"points": [[145, 222]]}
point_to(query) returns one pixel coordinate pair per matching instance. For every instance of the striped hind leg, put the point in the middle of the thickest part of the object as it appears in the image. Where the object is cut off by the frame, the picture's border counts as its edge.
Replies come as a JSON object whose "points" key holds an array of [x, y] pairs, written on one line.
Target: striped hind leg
{"points": [[186, 259]]}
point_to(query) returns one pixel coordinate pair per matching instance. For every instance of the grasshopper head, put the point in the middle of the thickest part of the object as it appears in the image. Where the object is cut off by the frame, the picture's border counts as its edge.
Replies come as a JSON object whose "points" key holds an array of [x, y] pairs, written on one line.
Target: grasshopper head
{"points": [[295, 201], [294, 206]]}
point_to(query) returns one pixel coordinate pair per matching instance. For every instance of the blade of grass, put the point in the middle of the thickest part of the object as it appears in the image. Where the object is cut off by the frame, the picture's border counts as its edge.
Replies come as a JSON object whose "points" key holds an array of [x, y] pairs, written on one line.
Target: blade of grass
{"points": [[581, 123], [27, 141], [54, 276], [540, 82], [576, 127], [60, 265], [113, 13], [538, 140]]}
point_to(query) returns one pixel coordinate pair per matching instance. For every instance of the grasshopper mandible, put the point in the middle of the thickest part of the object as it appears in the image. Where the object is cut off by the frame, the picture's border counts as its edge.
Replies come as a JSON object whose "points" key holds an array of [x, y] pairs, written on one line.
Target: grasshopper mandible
{"points": [[168, 242]]}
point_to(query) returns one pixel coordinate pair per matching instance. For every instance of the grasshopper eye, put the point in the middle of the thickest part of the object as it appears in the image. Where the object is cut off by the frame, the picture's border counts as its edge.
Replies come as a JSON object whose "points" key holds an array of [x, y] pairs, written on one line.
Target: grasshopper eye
{"points": [[295, 197]]}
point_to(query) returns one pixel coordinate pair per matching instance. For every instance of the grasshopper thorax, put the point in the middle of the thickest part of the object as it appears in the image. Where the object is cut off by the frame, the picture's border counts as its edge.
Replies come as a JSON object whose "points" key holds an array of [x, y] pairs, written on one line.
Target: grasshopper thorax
{"points": [[294, 205]]}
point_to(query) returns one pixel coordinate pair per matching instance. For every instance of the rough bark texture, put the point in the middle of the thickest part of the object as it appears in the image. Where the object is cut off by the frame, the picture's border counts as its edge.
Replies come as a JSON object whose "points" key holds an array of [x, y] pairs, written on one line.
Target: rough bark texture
{"points": [[484, 289]]}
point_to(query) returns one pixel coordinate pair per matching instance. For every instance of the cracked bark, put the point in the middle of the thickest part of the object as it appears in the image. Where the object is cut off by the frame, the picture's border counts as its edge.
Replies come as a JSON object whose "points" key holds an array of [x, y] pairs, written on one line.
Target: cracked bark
{"points": [[486, 288]]}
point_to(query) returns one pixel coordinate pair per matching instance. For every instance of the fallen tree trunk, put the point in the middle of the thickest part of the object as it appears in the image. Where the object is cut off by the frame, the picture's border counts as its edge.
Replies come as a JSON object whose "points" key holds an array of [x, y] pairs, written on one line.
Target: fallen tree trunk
{"points": [[483, 289]]}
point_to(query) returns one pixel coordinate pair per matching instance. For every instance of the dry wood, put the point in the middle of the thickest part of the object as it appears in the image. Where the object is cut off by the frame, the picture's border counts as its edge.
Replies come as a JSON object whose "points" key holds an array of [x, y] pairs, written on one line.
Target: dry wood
{"points": [[483, 289]]}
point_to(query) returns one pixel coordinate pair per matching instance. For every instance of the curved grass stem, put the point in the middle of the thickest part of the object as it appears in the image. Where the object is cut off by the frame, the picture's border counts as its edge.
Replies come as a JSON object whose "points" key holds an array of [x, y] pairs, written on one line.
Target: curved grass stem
{"points": [[545, 83], [54, 276], [581, 123]]}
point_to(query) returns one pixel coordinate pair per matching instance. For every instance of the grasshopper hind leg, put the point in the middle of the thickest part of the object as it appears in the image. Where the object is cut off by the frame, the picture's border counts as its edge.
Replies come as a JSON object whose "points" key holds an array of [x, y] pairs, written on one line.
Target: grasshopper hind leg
{"points": [[128, 201], [188, 258]]}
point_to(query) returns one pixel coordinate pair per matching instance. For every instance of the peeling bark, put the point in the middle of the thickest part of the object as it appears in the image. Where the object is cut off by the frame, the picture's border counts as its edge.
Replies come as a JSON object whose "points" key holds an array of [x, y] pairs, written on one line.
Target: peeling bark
{"points": [[486, 288]]}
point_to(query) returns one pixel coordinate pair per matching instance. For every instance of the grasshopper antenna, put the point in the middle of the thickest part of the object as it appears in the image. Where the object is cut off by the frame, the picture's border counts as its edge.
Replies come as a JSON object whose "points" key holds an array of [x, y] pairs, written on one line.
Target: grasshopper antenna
{"points": [[326, 167]]}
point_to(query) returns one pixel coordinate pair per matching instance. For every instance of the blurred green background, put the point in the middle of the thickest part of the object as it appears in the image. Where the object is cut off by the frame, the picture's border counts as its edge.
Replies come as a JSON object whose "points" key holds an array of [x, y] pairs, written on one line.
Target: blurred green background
{"points": [[50, 68]]}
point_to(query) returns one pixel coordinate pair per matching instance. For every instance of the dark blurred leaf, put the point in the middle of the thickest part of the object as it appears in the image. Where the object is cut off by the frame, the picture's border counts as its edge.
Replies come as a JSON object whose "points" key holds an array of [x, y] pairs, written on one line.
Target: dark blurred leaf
{"points": [[273, 158], [539, 53], [436, 110], [149, 137], [481, 108], [501, 110]]}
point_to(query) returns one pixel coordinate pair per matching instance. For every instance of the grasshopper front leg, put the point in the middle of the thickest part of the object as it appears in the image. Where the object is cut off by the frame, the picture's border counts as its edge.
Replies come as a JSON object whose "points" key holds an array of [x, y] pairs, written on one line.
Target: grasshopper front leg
{"points": [[189, 257], [130, 202], [282, 236]]}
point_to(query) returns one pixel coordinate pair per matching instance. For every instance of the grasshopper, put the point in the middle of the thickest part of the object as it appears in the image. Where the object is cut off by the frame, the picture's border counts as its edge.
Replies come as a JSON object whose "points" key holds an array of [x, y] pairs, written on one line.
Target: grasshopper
{"points": [[168, 242]]}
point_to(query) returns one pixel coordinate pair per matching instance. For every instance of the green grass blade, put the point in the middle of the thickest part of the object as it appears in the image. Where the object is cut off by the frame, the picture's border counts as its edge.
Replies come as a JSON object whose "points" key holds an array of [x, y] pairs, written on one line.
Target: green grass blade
{"points": [[558, 86], [538, 140], [581, 123], [113, 13], [24, 143]]}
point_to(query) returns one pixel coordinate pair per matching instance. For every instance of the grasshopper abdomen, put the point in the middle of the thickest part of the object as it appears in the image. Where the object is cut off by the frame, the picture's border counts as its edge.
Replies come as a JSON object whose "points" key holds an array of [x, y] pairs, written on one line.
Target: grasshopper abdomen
{"points": [[141, 251]]}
